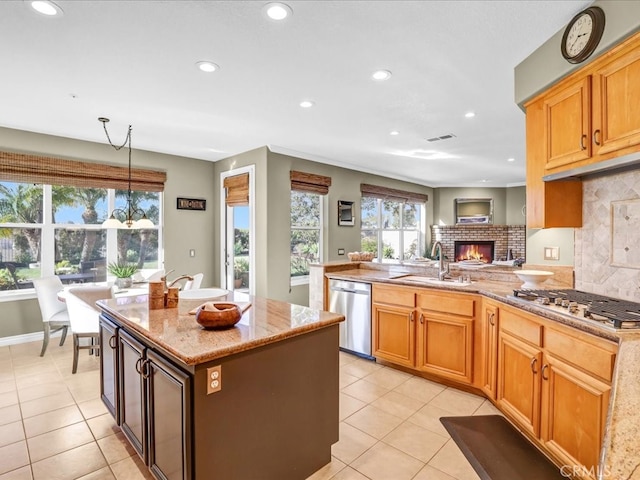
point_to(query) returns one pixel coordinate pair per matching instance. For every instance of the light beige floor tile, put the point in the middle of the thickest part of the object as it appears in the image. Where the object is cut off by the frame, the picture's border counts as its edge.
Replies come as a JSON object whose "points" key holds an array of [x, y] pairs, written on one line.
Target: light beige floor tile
{"points": [[46, 404], [103, 426], [8, 398], [10, 414], [382, 462], [22, 473], [71, 464], [397, 404], [387, 377], [346, 379], [415, 441], [360, 368], [11, 433], [352, 443], [103, 474], [47, 422], [37, 375], [328, 471], [374, 421], [6, 371], [131, 468], [487, 408], [60, 440], [349, 405], [450, 460], [430, 473], [83, 379], [12, 456], [92, 408], [348, 473], [365, 391], [41, 390], [7, 386], [420, 389], [346, 358], [429, 417], [457, 402], [115, 448], [84, 394]]}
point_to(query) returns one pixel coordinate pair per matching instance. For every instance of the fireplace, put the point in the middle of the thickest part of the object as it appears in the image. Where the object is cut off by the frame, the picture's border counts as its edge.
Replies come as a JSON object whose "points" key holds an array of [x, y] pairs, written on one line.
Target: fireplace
{"points": [[481, 250]]}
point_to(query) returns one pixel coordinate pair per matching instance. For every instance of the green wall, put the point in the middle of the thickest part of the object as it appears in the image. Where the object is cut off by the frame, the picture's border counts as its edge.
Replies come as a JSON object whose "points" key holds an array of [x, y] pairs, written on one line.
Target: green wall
{"points": [[507, 203]]}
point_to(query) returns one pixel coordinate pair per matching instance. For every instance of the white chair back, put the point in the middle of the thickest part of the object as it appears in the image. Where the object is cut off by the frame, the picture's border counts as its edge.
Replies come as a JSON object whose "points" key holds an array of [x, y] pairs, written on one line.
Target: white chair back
{"points": [[155, 276], [47, 289], [195, 283], [83, 313]]}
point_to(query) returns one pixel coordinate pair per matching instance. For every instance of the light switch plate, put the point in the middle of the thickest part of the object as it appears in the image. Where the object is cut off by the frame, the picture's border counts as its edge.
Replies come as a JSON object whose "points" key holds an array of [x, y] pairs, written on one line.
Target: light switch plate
{"points": [[551, 253], [214, 379], [341, 251]]}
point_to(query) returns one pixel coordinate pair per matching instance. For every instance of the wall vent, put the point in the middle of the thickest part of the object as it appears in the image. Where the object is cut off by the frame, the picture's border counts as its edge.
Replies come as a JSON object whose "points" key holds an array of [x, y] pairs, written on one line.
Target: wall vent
{"points": [[442, 137]]}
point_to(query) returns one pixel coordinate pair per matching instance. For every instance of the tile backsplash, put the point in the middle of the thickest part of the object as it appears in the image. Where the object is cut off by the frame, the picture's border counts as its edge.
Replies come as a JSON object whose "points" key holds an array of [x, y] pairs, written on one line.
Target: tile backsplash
{"points": [[609, 238]]}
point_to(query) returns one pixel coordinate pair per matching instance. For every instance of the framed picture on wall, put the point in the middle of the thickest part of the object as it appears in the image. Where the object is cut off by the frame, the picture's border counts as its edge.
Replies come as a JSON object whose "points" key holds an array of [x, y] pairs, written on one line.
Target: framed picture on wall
{"points": [[346, 214]]}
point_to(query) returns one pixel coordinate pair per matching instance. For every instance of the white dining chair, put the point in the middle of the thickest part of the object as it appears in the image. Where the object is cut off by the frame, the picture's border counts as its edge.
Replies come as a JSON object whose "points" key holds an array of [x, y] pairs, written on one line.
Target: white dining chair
{"points": [[195, 283], [84, 317], [155, 276], [54, 312]]}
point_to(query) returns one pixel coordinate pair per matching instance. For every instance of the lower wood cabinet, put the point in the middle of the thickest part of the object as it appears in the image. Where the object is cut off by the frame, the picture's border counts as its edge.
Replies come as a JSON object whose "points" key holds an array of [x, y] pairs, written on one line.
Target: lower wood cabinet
{"points": [[488, 325]]}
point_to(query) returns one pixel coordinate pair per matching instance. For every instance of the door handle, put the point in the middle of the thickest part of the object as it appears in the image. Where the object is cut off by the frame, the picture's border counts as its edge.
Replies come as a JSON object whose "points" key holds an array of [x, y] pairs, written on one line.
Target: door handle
{"points": [[139, 365], [582, 145], [544, 367], [111, 342], [534, 360], [421, 318], [491, 322], [411, 317], [596, 134]]}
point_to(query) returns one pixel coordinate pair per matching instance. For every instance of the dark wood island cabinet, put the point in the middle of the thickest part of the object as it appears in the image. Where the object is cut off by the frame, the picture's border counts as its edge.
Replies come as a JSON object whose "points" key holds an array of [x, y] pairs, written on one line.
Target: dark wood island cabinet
{"points": [[272, 414]]}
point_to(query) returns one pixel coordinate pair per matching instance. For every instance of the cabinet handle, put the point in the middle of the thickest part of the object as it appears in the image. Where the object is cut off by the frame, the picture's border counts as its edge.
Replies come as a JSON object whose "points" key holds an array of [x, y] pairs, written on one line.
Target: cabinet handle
{"points": [[112, 342], [138, 365], [491, 322], [582, 145], [534, 360], [421, 318], [544, 367], [596, 134], [144, 367]]}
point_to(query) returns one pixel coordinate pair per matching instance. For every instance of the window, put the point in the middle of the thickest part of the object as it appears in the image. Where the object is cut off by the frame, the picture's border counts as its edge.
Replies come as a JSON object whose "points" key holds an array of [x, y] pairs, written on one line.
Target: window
{"points": [[391, 229], [306, 229], [46, 230]]}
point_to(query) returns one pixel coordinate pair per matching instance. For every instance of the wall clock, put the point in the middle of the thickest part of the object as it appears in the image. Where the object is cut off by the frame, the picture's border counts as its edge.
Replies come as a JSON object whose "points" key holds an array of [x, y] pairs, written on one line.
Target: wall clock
{"points": [[582, 35]]}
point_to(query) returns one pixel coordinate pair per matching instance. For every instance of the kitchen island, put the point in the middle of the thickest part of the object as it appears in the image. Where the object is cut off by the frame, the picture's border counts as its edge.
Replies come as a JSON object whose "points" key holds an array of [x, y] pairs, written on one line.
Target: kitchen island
{"points": [[258, 400]]}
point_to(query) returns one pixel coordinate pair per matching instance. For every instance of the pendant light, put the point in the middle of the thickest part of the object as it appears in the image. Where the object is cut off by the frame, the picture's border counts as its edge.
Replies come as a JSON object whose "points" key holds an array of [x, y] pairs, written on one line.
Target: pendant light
{"points": [[133, 217]]}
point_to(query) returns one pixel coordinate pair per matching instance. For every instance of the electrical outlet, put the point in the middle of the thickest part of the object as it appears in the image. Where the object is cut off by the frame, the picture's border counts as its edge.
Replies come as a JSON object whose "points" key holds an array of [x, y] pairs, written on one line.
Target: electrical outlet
{"points": [[214, 379], [341, 251], [192, 253]]}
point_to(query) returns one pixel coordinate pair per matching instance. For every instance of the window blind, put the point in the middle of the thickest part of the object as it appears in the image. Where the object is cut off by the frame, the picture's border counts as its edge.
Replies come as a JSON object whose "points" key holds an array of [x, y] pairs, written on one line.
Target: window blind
{"points": [[28, 168], [309, 182], [237, 190], [386, 193]]}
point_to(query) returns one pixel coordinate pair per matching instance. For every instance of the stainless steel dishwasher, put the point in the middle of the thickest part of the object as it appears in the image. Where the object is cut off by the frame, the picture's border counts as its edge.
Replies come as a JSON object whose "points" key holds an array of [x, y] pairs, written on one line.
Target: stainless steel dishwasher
{"points": [[353, 300]]}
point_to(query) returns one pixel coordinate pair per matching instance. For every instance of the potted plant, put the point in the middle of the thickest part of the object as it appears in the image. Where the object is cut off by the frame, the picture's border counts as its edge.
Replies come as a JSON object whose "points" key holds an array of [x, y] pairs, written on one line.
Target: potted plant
{"points": [[240, 270], [123, 272]]}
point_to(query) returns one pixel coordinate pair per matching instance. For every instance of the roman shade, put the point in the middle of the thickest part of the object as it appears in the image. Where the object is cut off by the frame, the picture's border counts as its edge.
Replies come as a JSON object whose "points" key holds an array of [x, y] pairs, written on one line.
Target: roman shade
{"points": [[237, 190], [309, 182], [386, 193], [29, 168]]}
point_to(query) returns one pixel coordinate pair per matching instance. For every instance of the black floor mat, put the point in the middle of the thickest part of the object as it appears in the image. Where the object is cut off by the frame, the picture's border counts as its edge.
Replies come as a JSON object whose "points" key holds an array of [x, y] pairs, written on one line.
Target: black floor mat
{"points": [[497, 451]]}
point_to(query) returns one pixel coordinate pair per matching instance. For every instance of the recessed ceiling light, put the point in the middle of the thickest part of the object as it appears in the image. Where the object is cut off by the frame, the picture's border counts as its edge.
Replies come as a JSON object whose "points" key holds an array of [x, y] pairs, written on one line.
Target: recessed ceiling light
{"points": [[394, 132], [469, 114], [381, 75], [511, 159], [206, 66], [307, 104], [277, 10], [46, 7]]}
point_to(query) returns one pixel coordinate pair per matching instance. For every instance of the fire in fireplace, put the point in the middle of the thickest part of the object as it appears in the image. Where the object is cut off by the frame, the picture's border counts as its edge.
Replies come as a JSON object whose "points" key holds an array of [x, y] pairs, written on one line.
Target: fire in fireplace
{"points": [[481, 250]]}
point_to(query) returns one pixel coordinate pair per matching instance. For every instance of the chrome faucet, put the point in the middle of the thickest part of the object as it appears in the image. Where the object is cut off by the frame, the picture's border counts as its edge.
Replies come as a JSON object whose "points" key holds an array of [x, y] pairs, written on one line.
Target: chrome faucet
{"points": [[442, 272]]}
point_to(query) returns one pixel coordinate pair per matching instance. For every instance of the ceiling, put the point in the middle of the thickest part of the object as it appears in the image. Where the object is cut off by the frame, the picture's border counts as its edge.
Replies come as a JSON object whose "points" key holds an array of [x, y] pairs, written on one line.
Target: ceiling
{"points": [[134, 62]]}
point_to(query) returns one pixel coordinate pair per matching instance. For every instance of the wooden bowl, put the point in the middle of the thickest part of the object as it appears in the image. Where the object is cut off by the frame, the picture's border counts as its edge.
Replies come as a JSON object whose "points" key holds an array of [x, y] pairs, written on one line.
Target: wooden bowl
{"points": [[218, 315]]}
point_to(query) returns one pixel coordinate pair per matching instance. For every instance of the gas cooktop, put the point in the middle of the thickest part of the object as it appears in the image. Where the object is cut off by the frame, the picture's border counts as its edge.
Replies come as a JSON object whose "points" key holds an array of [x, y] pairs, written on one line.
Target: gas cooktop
{"points": [[608, 311]]}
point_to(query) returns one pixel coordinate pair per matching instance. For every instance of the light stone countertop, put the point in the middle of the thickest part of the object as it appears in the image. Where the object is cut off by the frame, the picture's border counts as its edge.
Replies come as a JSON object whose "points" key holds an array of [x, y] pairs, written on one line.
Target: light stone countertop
{"points": [[620, 456], [264, 322]]}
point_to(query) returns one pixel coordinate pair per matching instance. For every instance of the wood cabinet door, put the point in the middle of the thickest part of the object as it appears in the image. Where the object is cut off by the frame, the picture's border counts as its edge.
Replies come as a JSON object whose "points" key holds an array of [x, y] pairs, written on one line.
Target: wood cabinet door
{"points": [[131, 355], [169, 413], [616, 100], [109, 367], [489, 359], [393, 334], [518, 392], [445, 346], [574, 410], [568, 124]]}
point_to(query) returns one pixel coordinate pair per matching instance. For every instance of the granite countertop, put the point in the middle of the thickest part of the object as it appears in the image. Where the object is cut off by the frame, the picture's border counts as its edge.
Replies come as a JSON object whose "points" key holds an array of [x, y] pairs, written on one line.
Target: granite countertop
{"points": [[264, 322]]}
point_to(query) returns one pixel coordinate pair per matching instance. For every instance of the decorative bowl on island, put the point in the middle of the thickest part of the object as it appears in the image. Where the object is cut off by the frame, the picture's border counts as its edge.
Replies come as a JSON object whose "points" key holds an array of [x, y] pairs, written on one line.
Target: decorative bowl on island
{"points": [[533, 278], [218, 315]]}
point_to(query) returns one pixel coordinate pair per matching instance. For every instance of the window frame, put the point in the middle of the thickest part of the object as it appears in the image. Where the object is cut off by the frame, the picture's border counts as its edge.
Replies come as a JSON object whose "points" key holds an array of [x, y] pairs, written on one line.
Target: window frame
{"points": [[304, 279]]}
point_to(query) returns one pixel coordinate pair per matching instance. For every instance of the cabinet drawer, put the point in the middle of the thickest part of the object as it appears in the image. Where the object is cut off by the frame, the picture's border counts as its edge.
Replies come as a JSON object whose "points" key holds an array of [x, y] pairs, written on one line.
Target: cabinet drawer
{"points": [[455, 304], [394, 295], [521, 327], [597, 360]]}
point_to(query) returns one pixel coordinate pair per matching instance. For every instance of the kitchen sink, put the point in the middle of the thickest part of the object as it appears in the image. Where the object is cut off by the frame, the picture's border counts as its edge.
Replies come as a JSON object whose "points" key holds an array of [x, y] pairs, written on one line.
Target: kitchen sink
{"points": [[452, 282]]}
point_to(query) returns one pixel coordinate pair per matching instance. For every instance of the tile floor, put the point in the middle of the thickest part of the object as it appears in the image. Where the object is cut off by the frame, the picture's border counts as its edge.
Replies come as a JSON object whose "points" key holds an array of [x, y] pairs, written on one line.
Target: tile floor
{"points": [[53, 424]]}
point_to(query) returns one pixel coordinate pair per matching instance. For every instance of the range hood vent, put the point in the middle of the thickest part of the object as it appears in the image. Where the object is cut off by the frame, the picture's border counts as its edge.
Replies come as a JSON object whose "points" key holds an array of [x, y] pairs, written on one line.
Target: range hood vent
{"points": [[606, 167]]}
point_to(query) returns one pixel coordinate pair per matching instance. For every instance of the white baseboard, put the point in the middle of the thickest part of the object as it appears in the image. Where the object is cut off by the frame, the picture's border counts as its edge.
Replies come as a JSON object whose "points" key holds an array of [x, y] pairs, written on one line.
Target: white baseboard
{"points": [[25, 338]]}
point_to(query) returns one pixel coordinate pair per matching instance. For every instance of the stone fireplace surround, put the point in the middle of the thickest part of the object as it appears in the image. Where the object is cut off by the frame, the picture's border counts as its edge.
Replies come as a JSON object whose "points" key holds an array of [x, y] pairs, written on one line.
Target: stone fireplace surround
{"points": [[505, 237]]}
